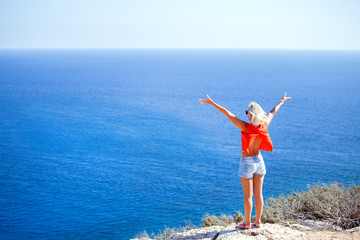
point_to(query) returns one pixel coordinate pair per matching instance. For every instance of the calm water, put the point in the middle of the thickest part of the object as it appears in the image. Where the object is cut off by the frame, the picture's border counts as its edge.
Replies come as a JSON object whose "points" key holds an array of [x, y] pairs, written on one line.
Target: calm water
{"points": [[103, 144]]}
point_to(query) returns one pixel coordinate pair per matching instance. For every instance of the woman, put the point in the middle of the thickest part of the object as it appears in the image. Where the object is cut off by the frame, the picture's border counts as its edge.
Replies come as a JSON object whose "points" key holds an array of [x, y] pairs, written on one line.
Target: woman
{"points": [[252, 169]]}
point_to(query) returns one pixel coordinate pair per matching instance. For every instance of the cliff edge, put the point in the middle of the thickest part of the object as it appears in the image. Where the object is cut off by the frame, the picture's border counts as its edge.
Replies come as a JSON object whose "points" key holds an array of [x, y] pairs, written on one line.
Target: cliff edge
{"points": [[314, 231], [268, 232]]}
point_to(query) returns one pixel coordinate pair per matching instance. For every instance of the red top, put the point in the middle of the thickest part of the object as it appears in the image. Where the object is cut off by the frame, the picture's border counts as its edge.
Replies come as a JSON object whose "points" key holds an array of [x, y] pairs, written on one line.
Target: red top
{"points": [[251, 133]]}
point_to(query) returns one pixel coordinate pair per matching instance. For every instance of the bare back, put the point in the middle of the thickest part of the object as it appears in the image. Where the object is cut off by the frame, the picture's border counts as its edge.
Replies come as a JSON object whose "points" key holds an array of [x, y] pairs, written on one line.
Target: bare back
{"points": [[253, 148]]}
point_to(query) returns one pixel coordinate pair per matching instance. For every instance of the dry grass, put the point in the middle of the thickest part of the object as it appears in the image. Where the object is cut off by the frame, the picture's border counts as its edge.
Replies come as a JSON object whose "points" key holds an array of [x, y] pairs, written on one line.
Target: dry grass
{"points": [[166, 233], [332, 203], [223, 220]]}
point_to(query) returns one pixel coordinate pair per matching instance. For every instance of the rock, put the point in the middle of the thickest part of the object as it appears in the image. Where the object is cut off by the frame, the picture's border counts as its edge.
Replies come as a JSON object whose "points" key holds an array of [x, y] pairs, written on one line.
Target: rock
{"points": [[313, 224], [354, 231], [320, 225], [206, 233], [300, 227], [267, 231]]}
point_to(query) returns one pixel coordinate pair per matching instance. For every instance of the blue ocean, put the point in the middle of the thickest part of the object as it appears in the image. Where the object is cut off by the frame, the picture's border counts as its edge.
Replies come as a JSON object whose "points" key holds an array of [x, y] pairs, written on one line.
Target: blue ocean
{"points": [[103, 144]]}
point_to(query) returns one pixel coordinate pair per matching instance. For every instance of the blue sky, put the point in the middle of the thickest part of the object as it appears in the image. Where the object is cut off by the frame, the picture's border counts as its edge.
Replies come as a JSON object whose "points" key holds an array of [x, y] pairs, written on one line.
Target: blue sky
{"points": [[264, 24]]}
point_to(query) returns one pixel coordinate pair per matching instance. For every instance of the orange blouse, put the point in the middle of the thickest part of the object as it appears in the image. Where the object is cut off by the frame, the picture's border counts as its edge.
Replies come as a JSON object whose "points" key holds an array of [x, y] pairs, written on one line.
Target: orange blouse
{"points": [[251, 133]]}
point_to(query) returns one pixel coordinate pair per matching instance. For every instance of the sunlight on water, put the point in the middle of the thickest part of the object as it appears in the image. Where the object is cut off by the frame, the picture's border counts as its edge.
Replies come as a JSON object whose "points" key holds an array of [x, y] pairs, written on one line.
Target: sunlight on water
{"points": [[108, 143]]}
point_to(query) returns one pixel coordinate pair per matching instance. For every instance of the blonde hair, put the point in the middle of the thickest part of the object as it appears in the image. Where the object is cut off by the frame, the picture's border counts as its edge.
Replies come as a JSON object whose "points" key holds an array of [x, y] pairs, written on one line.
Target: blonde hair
{"points": [[258, 114]]}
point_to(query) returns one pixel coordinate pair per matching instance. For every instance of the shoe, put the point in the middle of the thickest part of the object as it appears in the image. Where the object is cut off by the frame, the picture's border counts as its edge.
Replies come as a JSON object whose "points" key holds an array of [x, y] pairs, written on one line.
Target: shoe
{"points": [[257, 224], [244, 226]]}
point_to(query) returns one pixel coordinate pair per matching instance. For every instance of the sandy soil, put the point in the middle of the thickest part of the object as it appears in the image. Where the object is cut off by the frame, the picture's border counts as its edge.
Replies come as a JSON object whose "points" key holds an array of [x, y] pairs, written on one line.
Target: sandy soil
{"points": [[327, 235]]}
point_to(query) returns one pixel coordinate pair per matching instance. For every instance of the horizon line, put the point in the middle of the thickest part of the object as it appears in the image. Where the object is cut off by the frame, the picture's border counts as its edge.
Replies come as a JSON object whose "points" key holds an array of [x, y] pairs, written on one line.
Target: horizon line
{"points": [[172, 48]]}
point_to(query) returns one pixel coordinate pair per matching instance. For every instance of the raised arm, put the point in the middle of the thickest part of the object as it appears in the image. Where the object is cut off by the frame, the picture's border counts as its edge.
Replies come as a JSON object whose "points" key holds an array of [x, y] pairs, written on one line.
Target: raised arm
{"points": [[276, 108], [236, 121]]}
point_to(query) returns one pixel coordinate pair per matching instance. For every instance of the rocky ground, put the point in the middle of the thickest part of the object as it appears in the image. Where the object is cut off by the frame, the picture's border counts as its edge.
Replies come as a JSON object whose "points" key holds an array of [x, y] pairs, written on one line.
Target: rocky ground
{"points": [[305, 231]]}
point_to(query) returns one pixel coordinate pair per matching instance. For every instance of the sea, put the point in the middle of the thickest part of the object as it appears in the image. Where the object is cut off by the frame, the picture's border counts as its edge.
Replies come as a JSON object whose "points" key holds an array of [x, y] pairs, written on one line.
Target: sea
{"points": [[108, 143]]}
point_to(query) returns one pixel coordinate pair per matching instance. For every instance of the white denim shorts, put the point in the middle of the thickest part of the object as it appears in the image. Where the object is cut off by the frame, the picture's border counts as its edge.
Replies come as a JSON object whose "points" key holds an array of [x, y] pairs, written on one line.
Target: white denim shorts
{"points": [[250, 166]]}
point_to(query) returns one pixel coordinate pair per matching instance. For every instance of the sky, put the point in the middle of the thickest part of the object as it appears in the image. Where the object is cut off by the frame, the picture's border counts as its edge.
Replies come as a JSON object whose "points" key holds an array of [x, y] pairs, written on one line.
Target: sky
{"points": [[251, 24]]}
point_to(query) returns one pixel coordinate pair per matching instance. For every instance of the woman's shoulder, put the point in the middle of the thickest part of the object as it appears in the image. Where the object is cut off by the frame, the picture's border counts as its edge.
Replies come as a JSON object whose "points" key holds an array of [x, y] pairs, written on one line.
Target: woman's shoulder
{"points": [[246, 127], [251, 128]]}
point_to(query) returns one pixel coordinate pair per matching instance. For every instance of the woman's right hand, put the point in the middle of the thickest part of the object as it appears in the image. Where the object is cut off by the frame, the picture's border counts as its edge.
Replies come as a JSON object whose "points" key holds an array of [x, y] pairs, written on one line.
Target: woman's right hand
{"points": [[206, 101]]}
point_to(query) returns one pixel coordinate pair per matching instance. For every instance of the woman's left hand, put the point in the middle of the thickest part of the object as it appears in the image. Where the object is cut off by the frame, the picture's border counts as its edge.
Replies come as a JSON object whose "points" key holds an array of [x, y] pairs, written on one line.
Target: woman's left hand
{"points": [[284, 98]]}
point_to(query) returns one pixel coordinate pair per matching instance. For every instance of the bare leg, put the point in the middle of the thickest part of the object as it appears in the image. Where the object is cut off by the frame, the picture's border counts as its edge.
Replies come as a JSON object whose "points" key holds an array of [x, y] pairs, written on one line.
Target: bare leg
{"points": [[247, 186], [259, 201]]}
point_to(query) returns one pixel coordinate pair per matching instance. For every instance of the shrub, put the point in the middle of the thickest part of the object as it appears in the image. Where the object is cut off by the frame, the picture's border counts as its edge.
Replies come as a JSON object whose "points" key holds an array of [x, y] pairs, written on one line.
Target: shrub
{"points": [[226, 219], [332, 203], [166, 233], [142, 236], [212, 220], [238, 217]]}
